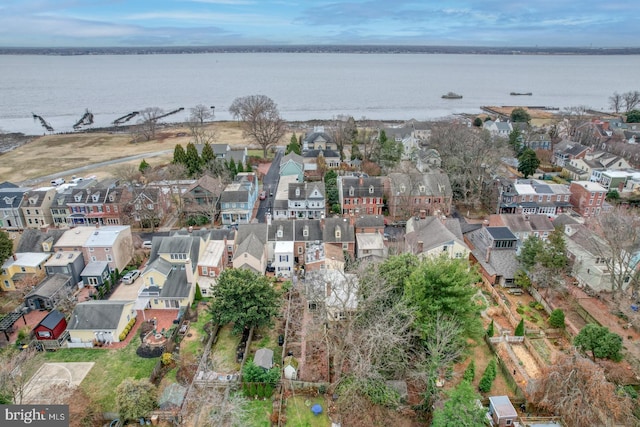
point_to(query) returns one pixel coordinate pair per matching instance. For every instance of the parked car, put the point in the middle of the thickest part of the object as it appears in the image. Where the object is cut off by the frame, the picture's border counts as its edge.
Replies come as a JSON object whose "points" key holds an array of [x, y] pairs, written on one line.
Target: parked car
{"points": [[263, 195], [130, 277], [57, 181], [147, 244]]}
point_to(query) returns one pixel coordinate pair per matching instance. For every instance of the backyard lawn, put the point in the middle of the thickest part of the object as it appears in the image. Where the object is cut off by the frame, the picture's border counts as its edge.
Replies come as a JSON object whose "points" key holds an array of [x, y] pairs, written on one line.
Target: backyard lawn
{"points": [[110, 369], [258, 413], [299, 412], [223, 354]]}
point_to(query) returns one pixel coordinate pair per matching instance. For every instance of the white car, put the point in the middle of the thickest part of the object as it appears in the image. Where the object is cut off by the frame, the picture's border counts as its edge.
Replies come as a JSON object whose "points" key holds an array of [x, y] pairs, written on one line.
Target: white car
{"points": [[147, 244], [130, 277]]}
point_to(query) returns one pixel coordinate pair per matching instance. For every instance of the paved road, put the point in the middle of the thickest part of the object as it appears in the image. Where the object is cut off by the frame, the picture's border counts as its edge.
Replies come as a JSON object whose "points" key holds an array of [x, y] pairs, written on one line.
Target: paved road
{"points": [[270, 184], [74, 171]]}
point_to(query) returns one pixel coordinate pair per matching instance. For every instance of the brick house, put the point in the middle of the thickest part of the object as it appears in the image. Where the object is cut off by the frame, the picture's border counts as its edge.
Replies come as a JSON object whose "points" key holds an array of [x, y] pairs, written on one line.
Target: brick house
{"points": [[587, 197]]}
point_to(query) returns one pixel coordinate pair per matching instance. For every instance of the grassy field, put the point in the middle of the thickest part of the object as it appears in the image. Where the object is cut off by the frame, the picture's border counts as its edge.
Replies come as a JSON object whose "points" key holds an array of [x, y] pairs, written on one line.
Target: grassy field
{"points": [[258, 413], [110, 369], [74, 150], [299, 412], [223, 354]]}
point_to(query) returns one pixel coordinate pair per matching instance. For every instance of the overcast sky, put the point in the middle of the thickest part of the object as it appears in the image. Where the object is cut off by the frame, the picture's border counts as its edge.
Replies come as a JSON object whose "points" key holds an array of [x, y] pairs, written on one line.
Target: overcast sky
{"points": [[59, 23]]}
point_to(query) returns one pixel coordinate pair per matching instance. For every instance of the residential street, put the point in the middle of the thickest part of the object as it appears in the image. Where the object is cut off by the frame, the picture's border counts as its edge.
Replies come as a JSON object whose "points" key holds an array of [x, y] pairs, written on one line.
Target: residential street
{"points": [[269, 185]]}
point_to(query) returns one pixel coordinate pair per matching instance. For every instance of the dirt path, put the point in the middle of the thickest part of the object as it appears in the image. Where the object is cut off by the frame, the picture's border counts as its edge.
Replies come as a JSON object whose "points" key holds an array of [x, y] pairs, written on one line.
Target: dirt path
{"points": [[528, 363]]}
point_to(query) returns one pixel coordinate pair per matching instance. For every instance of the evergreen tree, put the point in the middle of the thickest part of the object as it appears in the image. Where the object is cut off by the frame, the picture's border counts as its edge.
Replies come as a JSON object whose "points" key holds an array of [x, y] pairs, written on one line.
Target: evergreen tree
{"points": [[179, 155], [556, 318], [460, 409], [470, 372], [240, 167], [293, 146], [491, 329], [193, 161], [520, 329], [143, 166], [528, 162], [6, 247], [207, 153], [233, 169], [248, 168], [520, 115]]}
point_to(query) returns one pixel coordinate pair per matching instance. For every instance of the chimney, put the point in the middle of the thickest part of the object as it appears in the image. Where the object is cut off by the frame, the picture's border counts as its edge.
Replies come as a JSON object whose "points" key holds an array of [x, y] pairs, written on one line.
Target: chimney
{"points": [[420, 246], [97, 225], [317, 254], [189, 271], [15, 257], [487, 258], [322, 222], [361, 180], [190, 229]]}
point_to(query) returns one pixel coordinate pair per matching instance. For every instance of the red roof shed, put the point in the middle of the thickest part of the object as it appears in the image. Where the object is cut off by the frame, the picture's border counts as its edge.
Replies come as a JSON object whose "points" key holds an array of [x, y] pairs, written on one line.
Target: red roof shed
{"points": [[51, 327]]}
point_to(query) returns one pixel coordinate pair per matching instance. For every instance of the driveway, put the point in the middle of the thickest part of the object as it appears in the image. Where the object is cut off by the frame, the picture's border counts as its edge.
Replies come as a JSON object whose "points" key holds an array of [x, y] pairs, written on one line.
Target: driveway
{"points": [[127, 292], [270, 184]]}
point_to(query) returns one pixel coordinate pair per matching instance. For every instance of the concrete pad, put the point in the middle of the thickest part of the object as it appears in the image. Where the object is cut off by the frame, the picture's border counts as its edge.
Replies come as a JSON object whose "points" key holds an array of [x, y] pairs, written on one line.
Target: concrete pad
{"points": [[127, 292], [64, 375]]}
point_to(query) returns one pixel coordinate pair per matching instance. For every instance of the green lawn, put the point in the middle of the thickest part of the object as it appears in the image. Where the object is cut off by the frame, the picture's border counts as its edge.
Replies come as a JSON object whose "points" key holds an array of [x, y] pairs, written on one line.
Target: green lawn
{"points": [[299, 412], [258, 413], [197, 328], [269, 340], [223, 354], [110, 369]]}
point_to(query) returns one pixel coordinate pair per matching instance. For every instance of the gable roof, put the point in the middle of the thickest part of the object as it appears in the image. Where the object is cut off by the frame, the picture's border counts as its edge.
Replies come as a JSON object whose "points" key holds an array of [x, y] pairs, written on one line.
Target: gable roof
{"points": [[361, 190], [366, 221], [292, 158], [306, 190], [313, 228], [287, 228], [31, 239], [264, 358], [346, 231], [97, 314], [51, 320], [312, 154], [433, 232], [50, 286], [11, 198]]}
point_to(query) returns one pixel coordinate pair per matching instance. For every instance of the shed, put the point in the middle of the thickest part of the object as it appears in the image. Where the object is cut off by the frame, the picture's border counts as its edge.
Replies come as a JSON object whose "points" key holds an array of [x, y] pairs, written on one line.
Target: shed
{"points": [[290, 368], [49, 292], [51, 327], [264, 358], [502, 411]]}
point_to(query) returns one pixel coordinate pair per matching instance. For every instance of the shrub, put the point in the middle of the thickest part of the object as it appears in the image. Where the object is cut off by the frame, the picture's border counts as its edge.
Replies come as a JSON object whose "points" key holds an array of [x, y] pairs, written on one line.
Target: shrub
{"points": [[491, 329], [470, 372], [487, 378], [556, 319], [322, 389], [198, 295], [520, 329], [167, 358], [520, 309]]}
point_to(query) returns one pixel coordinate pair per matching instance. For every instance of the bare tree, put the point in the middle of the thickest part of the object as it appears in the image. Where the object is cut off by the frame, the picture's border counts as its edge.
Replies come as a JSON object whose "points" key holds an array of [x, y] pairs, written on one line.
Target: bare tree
{"points": [[201, 132], [572, 118], [148, 123], [367, 138], [127, 173], [260, 119], [617, 245], [467, 156], [577, 389], [201, 113], [630, 100], [16, 368], [343, 131], [206, 201], [615, 101]]}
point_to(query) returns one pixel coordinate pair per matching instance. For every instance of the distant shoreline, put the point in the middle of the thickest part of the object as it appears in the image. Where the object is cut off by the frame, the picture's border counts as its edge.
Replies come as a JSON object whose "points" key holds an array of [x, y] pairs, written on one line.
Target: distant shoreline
{"points": [[348, 49]]}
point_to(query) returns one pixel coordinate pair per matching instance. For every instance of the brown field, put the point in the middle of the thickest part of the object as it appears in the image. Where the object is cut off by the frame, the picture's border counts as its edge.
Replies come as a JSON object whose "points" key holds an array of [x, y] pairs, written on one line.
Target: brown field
{"points": [[52, 154]]}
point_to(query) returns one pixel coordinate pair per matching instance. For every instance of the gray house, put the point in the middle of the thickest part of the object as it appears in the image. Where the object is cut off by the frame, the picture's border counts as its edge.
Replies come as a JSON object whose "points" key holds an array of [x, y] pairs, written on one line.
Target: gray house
{"points": [[49, 292], [95, 273], [11, 196], [70, 263], [292, 164]]}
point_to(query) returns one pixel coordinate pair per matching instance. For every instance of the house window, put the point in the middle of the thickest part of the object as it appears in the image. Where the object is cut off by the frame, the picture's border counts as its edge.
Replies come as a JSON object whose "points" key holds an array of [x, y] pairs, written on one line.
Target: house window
{"points": [[94, 259], [280, 232], [351, 191], [212, 273], [204, 270], [371, 189], [299, 249], [108, 208], [284, 258], [90, 249], [107, 249], [44, 334], [109, 258], [345, 246]]}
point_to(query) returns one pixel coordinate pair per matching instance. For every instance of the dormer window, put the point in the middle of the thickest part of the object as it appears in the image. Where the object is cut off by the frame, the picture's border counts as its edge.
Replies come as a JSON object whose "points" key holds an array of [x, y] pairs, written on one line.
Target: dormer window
{"points": [[338, 233], [403, 188], [280, 233], [297, 192], [422, 189], [351, 191], [77, 197], [94, 198], [371, 189], [305, 231], [111, 198]]}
